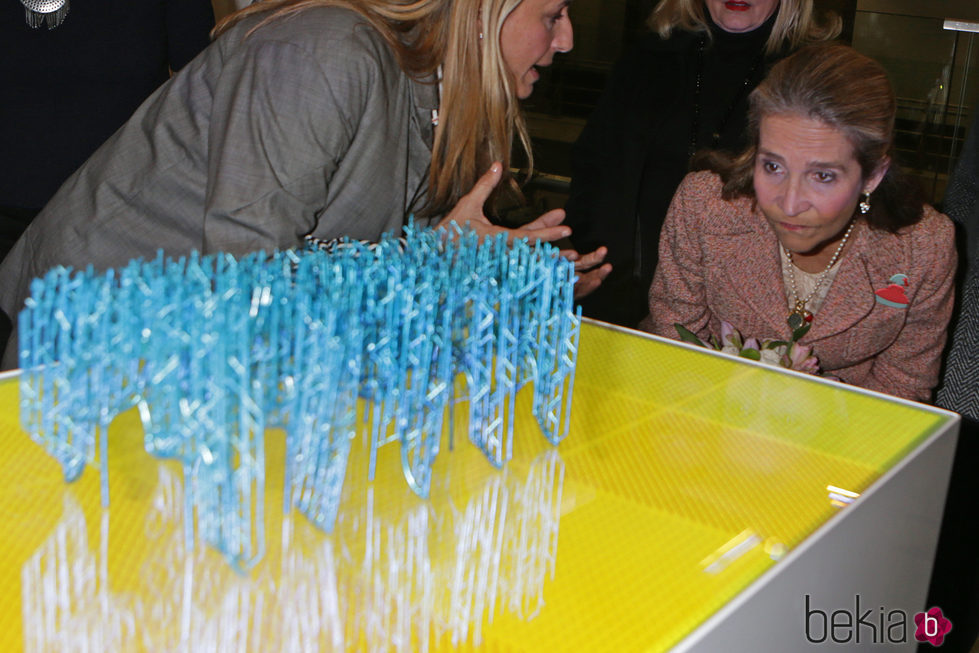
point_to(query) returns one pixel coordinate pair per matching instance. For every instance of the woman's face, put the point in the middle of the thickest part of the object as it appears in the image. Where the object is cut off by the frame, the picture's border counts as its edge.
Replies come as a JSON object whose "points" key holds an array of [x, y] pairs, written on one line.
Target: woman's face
{"points": [[808, 183], [530, 36], [740, 15]]}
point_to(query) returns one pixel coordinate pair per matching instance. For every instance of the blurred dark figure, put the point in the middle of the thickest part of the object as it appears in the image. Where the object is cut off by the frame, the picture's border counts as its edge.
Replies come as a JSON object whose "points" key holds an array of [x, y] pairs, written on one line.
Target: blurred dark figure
{"points": [[955, 579], [67, 87], [70, 82]]}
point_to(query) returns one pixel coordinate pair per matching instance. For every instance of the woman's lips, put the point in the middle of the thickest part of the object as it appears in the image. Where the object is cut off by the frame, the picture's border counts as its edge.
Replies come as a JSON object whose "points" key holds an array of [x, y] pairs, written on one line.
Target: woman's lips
{"points": [[733, 5], [792, 227]]}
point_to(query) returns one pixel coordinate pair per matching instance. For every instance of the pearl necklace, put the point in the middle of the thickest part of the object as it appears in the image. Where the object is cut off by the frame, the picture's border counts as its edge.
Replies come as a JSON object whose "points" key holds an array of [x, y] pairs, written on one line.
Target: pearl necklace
{"points": [[799, 316]]}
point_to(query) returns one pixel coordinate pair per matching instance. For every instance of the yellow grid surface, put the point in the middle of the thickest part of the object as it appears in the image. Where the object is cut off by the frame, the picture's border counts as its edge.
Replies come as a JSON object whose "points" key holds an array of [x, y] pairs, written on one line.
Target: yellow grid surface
{"points": [[613, 541]]}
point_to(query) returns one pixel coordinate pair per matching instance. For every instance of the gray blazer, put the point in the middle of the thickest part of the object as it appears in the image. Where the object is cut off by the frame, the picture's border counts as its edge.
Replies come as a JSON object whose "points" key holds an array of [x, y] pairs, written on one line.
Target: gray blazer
{"points": [[307, 127]]}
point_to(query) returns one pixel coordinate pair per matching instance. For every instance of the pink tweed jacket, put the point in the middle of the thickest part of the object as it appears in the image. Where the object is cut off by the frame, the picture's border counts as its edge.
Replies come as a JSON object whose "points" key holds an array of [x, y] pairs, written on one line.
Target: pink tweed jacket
{"points": [[719, 260]]}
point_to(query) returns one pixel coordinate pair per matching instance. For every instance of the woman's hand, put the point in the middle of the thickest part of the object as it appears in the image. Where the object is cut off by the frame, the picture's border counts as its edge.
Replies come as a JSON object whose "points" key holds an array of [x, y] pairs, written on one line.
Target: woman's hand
{"points": [[547, 228], [590, 268], [469, 211]]}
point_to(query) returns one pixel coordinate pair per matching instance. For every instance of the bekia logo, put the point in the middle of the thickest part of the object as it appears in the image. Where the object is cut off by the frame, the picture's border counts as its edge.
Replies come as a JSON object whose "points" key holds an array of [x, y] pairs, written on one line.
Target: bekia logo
{"points": [[932, 626], [873, 625]]}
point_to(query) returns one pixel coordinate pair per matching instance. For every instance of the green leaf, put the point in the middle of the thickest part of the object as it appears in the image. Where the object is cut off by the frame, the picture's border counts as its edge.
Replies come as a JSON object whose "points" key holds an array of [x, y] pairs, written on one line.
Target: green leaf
{"points": [[753, 354], [775, 344], [686, 335], [801, 331]]}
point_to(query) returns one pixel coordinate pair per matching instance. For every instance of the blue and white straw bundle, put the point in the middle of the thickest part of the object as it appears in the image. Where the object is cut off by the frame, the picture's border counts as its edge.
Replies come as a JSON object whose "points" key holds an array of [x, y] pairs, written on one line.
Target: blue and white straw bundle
{"points": [[213, 350]]}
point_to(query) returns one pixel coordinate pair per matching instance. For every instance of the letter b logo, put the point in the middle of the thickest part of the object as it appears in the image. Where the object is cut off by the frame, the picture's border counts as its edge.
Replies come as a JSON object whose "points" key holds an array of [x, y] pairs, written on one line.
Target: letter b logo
{"points": [[932, 626], [820, 616]]}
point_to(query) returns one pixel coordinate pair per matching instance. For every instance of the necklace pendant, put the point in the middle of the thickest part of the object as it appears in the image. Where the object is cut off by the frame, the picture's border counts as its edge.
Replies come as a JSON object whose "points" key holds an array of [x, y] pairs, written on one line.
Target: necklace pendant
{"points": [[799, 317], [795, 321]]}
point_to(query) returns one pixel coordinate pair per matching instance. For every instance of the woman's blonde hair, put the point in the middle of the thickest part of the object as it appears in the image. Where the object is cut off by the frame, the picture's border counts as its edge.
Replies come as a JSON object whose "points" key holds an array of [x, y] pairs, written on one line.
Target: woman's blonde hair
{"points": [[479, 111], [794, 25]]}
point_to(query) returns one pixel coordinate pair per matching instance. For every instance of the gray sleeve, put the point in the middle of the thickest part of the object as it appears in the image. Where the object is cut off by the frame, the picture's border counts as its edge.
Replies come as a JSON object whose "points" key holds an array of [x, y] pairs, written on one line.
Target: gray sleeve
{"points": [[282, 121]]}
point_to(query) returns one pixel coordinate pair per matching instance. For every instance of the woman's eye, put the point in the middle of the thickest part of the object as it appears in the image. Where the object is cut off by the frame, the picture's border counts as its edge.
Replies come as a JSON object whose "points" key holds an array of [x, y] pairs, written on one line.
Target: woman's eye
{"points": [[825, 177], [770, 167]]}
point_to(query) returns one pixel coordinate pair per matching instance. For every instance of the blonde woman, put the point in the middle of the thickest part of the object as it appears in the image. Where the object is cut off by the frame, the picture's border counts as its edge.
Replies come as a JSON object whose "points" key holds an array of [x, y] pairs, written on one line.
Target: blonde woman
{"points": [[684, 87], [309, 119]]}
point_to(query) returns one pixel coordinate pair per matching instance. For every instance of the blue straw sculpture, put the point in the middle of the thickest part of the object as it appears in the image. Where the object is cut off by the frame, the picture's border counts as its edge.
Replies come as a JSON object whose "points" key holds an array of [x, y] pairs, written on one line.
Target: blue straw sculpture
{"points": [[213, 350]]}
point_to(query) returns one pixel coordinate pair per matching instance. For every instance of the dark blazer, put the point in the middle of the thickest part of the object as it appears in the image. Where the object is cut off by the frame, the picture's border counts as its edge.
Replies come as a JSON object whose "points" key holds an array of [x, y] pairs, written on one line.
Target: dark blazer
{"points": [[960, 382], [633, 153], [68, 89], [719, 260], [955, 579]]}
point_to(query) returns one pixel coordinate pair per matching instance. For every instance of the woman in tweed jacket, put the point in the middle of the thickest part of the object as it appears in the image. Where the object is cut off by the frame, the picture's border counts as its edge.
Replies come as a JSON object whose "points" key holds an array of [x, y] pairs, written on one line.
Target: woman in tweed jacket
{"points": [[812, 225]]}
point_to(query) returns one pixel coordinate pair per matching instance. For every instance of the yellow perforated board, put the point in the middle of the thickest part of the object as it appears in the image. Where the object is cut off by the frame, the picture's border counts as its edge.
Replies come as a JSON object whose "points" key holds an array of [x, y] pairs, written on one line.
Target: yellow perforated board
{"points": [[685, 477]]}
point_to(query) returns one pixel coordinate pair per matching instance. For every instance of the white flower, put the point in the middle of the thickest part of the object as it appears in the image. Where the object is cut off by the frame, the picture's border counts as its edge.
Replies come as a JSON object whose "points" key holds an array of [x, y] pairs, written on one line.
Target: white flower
{"points": [[771, 356], [789, 354]]}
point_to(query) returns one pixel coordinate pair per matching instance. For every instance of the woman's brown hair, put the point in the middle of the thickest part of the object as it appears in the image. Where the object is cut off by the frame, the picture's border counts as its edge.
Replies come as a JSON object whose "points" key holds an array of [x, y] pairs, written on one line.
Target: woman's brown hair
{"points": [[838, 86]]}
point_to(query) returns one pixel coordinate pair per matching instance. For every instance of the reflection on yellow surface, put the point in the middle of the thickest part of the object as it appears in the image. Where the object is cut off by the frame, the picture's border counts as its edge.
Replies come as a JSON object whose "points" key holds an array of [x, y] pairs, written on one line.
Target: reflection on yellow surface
{"points": [[374, 584], [684, 478]]}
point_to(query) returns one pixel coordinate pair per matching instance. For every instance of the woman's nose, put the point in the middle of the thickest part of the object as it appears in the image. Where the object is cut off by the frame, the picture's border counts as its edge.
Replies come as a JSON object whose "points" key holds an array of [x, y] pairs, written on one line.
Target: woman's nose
{"points": [[564, 39], [794, 200]]}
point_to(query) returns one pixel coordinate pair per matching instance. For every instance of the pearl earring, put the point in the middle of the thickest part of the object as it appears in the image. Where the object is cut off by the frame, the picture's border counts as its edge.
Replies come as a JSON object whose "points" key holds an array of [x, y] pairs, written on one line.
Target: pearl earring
{"points": [[865, 204]]}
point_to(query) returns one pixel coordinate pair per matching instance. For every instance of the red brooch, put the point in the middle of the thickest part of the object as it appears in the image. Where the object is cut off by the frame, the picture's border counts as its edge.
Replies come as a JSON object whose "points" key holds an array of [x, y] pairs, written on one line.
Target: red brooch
{"points": [[893, 294]]}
